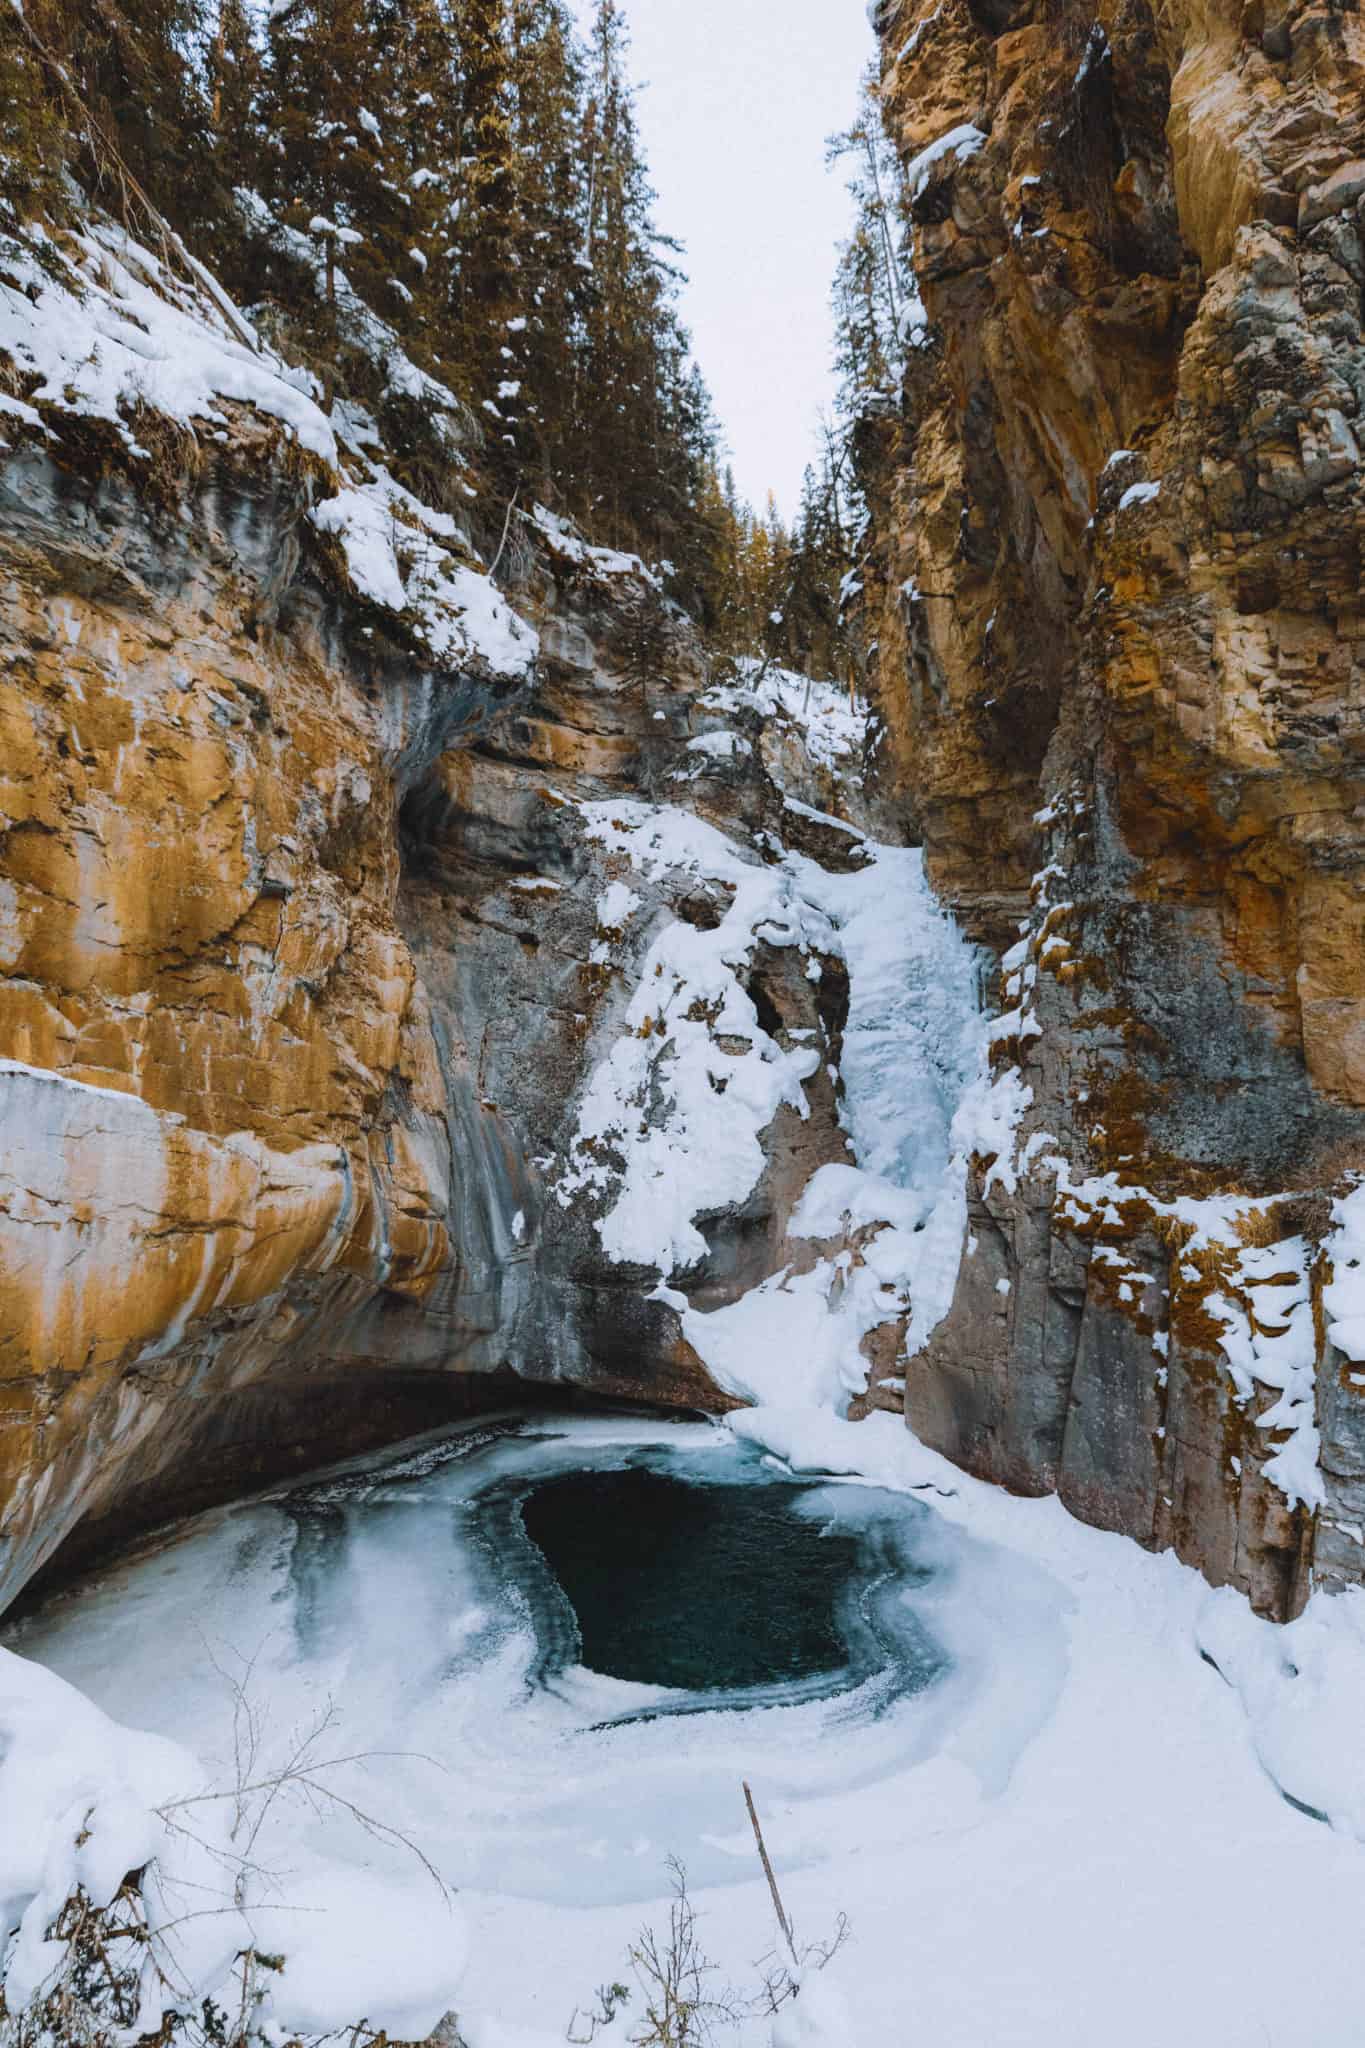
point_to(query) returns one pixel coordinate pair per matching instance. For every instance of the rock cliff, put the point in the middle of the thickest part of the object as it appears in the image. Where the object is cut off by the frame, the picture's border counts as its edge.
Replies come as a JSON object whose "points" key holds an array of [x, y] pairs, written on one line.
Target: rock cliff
{"points": [[1115, 587], [413, 987], [311, 933]]}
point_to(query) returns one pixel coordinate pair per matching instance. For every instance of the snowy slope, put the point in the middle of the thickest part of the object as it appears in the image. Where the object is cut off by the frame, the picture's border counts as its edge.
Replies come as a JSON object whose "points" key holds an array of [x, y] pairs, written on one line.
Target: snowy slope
{"points": [[104, 331]]}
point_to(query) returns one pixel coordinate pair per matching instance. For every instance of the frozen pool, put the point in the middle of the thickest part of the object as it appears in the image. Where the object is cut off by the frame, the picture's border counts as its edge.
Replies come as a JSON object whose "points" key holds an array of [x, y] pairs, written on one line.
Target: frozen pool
{"points": [[554, 1649]]}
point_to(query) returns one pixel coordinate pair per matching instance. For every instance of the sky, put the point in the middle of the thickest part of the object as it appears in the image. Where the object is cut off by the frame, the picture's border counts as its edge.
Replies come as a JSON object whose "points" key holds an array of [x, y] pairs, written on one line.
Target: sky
{"points": [[739, 98]]}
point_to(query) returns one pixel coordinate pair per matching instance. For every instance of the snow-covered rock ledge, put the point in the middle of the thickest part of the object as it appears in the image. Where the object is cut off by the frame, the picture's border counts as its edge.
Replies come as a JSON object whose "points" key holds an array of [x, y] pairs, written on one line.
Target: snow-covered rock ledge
{"points": [[98, 331]]}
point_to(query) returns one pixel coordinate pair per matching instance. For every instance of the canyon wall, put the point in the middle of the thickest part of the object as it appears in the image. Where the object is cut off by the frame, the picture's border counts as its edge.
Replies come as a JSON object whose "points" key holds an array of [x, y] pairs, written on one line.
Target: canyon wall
{"points": [[346, 916], [1115, 590], [306, 945]]}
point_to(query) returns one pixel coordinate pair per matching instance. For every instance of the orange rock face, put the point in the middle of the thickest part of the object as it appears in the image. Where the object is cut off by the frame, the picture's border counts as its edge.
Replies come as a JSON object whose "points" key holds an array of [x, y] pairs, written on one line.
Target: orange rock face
{"points": [[220, 1079], [303, 966], [1121, 668]]}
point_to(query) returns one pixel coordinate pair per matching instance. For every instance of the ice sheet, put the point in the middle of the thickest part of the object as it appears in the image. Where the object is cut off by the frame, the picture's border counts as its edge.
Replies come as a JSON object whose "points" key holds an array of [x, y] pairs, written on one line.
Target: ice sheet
{"points": [[409, 1603]]}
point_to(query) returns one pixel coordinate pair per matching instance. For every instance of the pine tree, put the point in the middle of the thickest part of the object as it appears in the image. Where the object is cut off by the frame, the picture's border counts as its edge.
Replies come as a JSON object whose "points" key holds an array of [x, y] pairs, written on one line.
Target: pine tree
{"points": [[485, 286], [323, 79], [538, 346], [136, 71], [820, 560], [34, 141], [873, 290], [632, 344], [234, 80], [417, 110], [468, 170]]}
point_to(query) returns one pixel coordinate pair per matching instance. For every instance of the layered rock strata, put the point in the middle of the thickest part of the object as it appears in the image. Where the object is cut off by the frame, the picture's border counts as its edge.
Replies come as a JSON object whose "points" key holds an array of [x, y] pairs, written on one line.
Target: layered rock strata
{"points": [[326, 900], [1115, 586]]}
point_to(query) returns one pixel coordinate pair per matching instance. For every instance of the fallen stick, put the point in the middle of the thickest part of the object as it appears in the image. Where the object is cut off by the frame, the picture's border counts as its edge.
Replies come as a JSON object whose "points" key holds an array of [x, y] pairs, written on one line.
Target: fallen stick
{"points": [[783, 1922]]}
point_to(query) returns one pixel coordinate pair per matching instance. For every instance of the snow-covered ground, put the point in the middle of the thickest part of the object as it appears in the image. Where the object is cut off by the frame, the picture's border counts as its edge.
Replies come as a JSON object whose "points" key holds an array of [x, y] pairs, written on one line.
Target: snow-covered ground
{"points": [[1081, 1833], [1074, 1836], [1138, 1875]]}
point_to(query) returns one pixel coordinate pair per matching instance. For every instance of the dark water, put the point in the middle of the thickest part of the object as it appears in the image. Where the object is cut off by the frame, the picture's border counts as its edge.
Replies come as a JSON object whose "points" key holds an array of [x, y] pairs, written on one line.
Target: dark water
{"points": [[705, 1588]]}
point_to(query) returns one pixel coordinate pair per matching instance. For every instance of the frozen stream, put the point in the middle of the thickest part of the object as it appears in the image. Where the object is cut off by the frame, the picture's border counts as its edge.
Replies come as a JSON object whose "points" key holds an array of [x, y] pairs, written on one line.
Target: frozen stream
{"points": [[984, 1732], [555, 1718]]}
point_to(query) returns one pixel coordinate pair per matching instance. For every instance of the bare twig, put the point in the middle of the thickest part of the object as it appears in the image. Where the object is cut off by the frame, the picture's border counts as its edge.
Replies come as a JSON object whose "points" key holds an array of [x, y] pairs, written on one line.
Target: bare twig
{"points": [[506, 529], [783, 1922]]}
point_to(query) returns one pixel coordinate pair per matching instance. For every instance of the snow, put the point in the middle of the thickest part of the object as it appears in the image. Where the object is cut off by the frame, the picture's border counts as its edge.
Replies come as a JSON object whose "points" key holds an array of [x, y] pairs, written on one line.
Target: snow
{"points": [[124, 334], [1066, 1837], [66, 1770], [15, 409], [572, 547], [648, 1143], [616, 906], [917, 35], [1261, 1296], [720, 746], [1273, 1341], [657, 1172], [1263, 1302], [366, 533], [454, 608], [832, 728], [86, 1800], [818, 2018], [1302, 1686], [1081, 1795], [1343, 1298], [779, 1338], [360, 325], [119, 332], [649, 1146], [328, 229], [958, 144], [804, 810], [1139, 494]]}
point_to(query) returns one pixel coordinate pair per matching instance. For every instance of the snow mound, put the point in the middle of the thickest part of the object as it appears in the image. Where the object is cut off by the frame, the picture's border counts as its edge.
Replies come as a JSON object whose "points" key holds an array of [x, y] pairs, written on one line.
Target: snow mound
{"points": [[649, 1139], [87, 1801], [832, 726], [116, 332]]}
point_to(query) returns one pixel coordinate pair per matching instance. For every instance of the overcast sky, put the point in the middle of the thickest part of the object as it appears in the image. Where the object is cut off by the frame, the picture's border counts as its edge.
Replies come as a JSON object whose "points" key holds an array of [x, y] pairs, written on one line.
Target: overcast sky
{"points": [[740, 97]]}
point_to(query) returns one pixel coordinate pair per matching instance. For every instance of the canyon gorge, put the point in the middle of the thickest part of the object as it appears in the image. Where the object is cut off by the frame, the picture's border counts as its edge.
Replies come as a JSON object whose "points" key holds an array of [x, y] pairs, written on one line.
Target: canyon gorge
{"points": [[305, 968], [603, 1210]]}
